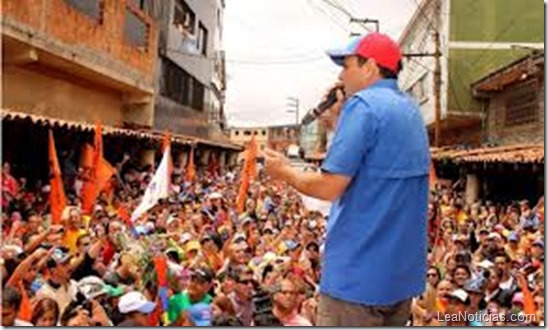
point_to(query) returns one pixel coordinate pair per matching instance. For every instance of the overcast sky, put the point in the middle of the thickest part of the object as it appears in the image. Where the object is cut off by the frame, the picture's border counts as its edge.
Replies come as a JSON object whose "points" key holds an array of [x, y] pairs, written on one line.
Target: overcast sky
{"points": [[276, 49]]}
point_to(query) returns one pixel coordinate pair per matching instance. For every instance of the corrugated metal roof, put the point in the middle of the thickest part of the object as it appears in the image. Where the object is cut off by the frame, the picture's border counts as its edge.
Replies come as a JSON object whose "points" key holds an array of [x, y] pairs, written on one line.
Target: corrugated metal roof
{"points": [[520, 153], [115, 131]]}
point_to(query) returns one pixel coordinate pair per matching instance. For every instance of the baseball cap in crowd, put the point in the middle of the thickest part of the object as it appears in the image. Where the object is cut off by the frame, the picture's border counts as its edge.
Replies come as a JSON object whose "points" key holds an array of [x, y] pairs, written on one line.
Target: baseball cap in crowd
{"points": [[215, 195], [494, 236], [513, 237], [486, 264], [185, 237], [291, 245], [200, 314], [91, 287], [192, 245], [539, 243], [461, 296], [203, 273], [171, 218], [239, 238], [135, 301], [376, 46]]}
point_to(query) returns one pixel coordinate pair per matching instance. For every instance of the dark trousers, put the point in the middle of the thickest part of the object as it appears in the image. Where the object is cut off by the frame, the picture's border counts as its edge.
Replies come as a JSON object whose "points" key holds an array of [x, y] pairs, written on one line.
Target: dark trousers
{"points": [[335, 313]]}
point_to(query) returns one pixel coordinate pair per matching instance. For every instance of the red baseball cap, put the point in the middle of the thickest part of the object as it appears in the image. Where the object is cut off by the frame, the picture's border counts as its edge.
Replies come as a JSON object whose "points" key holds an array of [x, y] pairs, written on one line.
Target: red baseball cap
{"points": [[377, 46]]}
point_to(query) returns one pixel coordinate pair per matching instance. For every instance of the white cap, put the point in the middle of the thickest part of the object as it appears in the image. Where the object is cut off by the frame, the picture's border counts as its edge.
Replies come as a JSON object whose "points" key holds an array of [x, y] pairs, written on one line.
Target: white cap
{"points": [[171, 219], [91, 287], [185, 238], [493, 236], [215, 195], [135, 301], [486, 264], [460, 294]]}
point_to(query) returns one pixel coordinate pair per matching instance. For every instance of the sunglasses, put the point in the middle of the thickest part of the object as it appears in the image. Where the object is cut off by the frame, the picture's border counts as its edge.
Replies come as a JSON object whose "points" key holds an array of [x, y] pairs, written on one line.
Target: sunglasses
{"points": [[431, 275]]}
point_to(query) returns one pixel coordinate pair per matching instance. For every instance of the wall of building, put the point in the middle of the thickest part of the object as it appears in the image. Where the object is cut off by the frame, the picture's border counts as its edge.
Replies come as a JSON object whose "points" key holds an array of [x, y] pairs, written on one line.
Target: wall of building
{"points": [[485, 35], [58, 58], [500, 133], [34, 92], [184, 52], [242, 135], [476, 38], [59, 20]]}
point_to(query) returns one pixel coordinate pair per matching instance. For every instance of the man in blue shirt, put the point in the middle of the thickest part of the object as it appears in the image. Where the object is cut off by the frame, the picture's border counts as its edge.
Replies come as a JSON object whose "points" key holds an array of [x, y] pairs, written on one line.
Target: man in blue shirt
{"points": [[376, 175]]}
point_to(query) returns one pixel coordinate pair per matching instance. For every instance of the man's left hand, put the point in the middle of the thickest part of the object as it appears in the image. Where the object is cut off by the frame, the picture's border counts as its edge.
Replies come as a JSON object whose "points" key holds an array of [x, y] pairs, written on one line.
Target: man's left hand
{"points": [[276, 165]]}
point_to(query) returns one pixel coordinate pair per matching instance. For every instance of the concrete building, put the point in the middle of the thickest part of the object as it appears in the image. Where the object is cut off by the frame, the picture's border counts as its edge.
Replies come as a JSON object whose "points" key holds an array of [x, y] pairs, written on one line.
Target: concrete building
{"points": [[242, 135], [475, 38], [190, 70]]}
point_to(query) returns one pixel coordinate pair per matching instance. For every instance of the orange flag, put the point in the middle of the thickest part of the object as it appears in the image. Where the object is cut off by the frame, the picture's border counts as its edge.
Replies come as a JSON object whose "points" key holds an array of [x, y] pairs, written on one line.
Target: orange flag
{"points": [[242, 194], [528, 300], [99, 174], [104, 172], [433, 179], [252, 158], [124, 215], [190, 168], [87, 157], [25, 309], [57, 197], [248, 173]]}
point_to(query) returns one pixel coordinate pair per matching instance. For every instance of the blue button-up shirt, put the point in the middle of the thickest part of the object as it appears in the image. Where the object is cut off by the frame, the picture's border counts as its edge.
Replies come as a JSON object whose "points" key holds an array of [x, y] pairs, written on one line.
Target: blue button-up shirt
{"points": [[376, 244]]}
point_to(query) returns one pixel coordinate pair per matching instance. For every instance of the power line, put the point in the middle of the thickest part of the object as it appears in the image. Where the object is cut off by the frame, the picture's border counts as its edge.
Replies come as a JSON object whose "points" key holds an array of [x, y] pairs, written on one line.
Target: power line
{"points": [[326, 14], [282, 60], [421, 13], [347, 13]]}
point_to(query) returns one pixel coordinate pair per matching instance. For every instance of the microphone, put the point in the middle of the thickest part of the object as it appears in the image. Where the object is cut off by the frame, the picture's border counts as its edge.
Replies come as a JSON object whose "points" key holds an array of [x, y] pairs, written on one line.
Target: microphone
{"points": [[314, 113]]}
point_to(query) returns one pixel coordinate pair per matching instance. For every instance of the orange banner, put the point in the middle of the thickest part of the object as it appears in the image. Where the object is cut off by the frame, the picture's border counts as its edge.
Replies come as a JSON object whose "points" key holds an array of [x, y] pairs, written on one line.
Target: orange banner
{"points": [[57, 196], [190, 168]]}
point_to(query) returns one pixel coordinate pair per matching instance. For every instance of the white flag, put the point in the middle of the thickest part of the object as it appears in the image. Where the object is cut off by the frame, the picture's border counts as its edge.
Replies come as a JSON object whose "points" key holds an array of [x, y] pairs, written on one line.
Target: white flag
{"points": [[157, 188], [314, 204]]}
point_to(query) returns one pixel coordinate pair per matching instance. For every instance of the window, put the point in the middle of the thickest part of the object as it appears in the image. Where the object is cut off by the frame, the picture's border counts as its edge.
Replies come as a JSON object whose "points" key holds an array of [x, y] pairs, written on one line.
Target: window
{"points": [[264, 133], [185, 18], [180, 86], [521, 104], [247, 133], [202, 39], [135, 30], [237, 133], [91, 8]]}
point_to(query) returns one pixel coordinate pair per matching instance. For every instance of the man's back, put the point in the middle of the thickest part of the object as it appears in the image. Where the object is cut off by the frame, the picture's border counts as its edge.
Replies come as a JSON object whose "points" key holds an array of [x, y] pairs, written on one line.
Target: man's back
{"points": [[376, 245]]}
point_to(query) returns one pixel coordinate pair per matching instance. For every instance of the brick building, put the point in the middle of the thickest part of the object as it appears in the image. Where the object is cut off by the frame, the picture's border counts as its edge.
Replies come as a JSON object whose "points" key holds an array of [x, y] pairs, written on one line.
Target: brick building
{"points": [[69, 63]]}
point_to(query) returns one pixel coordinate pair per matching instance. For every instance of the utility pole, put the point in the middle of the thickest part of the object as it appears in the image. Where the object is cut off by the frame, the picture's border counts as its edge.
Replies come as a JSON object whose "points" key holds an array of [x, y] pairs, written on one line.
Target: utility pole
{"points": [[437, 91], [294, 108]]}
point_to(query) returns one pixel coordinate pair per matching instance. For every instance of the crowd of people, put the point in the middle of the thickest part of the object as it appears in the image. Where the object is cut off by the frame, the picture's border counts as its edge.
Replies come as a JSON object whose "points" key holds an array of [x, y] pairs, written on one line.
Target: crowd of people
{"points": [[260, 267]]}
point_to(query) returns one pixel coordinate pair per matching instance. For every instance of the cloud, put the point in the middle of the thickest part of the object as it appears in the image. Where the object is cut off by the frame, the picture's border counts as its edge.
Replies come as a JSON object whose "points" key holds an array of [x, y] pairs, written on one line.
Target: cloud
{"points": [[276, 49]]}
